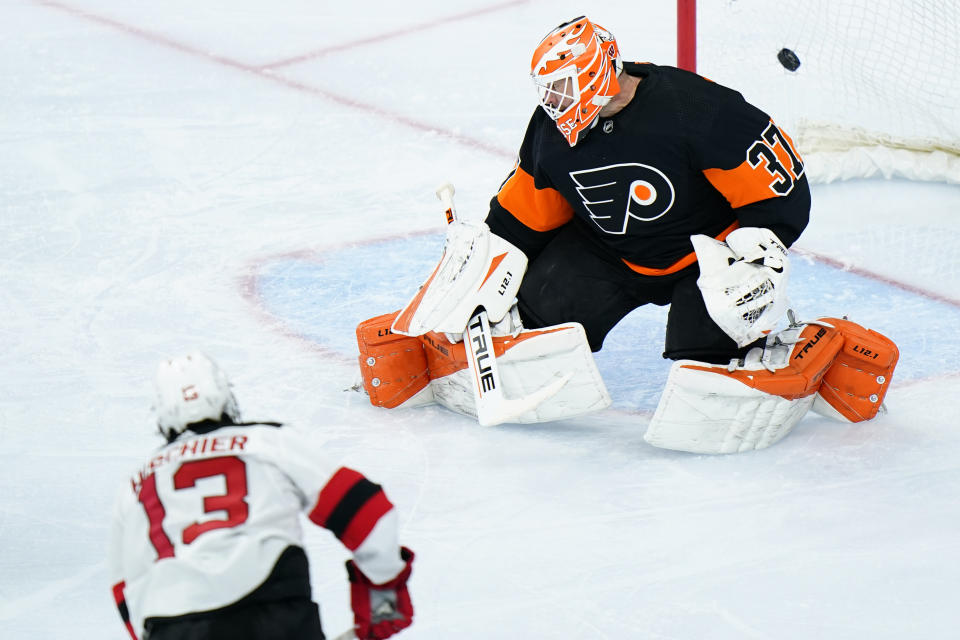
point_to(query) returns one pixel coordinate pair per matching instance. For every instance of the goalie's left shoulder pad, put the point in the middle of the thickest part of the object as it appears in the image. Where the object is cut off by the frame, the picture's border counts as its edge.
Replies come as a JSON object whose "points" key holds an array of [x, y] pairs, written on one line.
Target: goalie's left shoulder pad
{"points": [[854, 387], [478, 269], [708, 408]]}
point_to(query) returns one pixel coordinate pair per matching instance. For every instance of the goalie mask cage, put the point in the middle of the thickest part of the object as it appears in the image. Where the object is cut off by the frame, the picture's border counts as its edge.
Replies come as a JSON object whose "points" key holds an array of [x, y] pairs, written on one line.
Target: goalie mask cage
{"points": [[864, 88]]}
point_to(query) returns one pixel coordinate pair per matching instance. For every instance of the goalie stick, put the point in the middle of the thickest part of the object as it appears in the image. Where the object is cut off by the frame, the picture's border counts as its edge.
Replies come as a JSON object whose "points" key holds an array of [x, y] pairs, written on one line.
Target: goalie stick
{"points": [[493, 407]]}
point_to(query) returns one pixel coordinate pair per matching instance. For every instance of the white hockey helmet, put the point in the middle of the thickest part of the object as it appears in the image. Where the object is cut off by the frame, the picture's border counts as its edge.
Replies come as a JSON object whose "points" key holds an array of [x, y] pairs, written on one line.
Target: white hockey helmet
{"points": [[191, 389]]}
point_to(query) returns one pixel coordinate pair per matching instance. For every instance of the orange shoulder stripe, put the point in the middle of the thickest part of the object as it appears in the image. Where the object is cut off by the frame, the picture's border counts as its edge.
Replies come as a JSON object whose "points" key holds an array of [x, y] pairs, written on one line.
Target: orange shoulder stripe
{"points": [[746, 184], [682, 263], [539, 209]]}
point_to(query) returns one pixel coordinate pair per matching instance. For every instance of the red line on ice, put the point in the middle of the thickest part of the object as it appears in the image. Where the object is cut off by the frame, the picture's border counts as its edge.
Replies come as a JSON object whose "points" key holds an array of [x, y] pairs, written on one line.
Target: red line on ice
{"points": [[377, 39], [839, 264], [265, 74]]}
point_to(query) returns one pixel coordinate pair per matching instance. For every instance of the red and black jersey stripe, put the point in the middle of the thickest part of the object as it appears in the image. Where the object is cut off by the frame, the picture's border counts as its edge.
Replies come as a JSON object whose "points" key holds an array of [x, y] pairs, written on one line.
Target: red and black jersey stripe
{"points": [[120, 599], [350, 506]]}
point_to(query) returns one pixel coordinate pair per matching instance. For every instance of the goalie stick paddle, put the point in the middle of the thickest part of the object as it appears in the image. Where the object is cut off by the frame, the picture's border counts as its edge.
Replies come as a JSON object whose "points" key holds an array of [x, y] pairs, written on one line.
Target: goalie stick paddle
{"points": [[493, 407]]}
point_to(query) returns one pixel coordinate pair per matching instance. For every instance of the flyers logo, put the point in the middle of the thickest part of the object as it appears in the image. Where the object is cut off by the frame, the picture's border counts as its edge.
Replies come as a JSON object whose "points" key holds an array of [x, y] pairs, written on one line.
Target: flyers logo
{"points": [[619, 193]]}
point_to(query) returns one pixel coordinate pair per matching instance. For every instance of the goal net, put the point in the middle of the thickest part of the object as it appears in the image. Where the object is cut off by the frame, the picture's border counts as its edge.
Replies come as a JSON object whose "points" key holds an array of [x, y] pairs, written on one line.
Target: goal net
{"points": [[877, 89]]}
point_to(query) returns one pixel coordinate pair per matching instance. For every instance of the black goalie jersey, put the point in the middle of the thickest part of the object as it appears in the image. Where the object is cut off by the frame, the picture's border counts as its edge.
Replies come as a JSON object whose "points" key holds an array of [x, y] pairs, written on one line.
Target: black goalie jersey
{"points": [[685, 156]]}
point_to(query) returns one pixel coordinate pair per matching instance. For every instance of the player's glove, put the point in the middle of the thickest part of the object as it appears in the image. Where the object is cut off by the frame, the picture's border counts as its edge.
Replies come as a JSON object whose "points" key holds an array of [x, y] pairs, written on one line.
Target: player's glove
{"points": [[380, 610], [743, 281]]}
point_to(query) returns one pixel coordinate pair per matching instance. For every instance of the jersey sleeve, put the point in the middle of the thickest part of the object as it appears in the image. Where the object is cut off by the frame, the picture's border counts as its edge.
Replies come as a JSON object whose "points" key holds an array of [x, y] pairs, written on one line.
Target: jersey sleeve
{"points": [[527, 209], [115, 564], [344, 501], [755, 165]]}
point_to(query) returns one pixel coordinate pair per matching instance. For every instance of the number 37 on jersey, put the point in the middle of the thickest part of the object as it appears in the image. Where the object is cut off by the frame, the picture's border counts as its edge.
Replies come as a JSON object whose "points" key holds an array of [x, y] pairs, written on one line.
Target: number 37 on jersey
{"points": [[771, 168]]}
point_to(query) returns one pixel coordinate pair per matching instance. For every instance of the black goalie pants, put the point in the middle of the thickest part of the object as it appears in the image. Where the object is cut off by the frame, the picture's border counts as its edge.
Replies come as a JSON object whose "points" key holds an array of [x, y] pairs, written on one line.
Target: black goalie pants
{"points": [[575, 279]]}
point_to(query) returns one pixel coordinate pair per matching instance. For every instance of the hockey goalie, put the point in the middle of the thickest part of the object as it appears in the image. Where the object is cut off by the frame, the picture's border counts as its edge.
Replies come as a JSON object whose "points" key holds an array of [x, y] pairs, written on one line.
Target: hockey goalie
{"points": [[635, 184], [460, 341]]}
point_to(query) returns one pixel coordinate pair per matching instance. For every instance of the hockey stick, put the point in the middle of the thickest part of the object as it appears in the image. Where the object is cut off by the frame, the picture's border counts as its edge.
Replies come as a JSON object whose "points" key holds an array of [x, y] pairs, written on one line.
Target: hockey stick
{"points": [[493, 407]]}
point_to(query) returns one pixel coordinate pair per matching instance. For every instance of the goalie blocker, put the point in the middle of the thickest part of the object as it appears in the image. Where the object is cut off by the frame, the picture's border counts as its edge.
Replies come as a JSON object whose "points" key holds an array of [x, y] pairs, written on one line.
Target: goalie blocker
{"points": [[835, 366]]}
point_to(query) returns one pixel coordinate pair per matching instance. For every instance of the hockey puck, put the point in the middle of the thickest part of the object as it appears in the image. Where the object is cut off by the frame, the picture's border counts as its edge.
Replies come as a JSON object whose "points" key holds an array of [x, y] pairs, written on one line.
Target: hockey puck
{"points": [[788, 59]]}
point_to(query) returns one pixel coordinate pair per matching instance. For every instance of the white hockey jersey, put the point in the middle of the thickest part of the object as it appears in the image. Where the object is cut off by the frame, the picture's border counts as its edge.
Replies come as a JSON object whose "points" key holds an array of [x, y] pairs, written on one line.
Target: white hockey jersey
{"points": [[203, 521]]}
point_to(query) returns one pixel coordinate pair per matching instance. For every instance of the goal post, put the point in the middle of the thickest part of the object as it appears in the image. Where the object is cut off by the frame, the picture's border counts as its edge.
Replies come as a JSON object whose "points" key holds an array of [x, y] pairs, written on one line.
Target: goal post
{"points": [[864, 87], [687, 34]]}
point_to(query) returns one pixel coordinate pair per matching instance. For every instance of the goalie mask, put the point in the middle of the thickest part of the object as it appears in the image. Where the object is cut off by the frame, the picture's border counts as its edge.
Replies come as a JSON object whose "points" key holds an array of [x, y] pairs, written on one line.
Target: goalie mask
{"points": [[191, 389], [575, 69]]}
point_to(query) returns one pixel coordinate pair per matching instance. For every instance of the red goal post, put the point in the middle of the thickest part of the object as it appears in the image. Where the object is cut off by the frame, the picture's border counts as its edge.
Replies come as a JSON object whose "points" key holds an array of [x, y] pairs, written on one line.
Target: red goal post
{"points": [[865, 87]]}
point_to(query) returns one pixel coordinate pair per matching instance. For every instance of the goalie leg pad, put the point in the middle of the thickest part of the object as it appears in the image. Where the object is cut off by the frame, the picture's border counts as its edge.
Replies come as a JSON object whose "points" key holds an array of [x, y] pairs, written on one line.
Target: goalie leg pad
{"points": [[854, 387], [792, 363], [747, 405], [527, 361], [393, 366], [704, 411], [407, 371]]}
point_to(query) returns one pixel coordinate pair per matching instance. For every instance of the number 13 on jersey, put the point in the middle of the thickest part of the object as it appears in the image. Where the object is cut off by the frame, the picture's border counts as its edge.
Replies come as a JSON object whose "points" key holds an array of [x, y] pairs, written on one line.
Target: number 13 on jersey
{"points": [[232, 502]]}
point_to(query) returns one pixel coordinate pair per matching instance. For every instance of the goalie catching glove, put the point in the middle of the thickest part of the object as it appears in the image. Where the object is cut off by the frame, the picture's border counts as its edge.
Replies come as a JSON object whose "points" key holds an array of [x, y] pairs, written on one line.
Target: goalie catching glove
{"points": [[743, 281], [380, 610]]}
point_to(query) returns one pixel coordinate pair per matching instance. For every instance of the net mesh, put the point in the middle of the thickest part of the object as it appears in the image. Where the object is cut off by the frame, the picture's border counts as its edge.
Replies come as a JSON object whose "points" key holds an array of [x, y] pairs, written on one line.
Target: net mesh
{"points": [[871, 74]]}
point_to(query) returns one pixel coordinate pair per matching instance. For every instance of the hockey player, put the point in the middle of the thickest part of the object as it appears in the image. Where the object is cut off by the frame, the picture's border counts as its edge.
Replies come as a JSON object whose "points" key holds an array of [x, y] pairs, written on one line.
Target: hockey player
{"points": [[623, 163], [644, 184], [206, 540]]}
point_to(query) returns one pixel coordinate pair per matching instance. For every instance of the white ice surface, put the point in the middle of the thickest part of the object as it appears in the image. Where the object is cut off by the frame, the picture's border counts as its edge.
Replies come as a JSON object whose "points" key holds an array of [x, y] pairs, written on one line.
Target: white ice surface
{"points": [[161, 163]]}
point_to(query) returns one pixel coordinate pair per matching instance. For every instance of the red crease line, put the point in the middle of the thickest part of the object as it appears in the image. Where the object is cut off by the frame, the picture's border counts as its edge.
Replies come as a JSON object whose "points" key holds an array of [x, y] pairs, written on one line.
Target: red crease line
{"points": [[866, 273]]}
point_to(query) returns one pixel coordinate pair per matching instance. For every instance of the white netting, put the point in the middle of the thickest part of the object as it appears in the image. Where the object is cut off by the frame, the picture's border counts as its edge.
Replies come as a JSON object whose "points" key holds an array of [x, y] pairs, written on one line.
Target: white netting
{"points": [[878, 86]]}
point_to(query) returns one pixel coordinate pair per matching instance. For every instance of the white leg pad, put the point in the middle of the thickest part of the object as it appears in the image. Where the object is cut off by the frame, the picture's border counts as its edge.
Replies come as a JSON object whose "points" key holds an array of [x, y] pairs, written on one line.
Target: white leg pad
{"points": [[530, 361], [707, 412]]}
